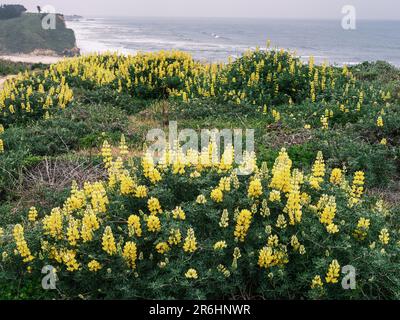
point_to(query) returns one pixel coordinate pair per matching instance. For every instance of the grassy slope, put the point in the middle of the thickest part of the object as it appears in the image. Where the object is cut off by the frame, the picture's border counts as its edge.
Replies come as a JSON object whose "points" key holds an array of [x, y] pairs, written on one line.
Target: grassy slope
{"points": [[76, 134], [30, 34]]}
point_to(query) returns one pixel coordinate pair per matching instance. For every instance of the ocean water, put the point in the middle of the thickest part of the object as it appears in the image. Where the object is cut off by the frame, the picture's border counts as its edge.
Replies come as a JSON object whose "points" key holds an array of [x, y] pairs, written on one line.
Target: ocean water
{"points": [[215, 39]]}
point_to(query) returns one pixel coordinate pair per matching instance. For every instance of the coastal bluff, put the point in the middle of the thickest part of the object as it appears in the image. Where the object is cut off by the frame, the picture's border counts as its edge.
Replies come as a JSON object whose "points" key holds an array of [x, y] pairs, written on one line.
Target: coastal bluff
{"points": [[34, 39]]}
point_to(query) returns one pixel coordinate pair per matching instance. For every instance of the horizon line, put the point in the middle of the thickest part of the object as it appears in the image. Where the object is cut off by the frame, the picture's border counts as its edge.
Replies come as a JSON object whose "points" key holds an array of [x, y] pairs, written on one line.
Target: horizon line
{"points": [[223, 17]]}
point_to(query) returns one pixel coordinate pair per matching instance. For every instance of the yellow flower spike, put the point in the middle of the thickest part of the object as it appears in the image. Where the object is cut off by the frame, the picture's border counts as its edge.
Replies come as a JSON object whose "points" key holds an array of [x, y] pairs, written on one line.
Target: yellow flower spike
{"points": [[318, 172], [217, 195], [73, 234], [175, 237], [191, 274], [32, 214], [22, 246], [68, 257], [190, 244], [108, 242], [53, 224], [106, 154], [127, 186], [220, 245], [379, 122], [153, 224], [162, 247], [384, 236], [94, 266], [255, 189], [201, 199], [178, 214], [154, 206], [130, 254], [141, 192], [316, 283], [333, 272], [90, 223], [357, 188], [134, 226], [336, 177], [242, 225], [281, 172]]}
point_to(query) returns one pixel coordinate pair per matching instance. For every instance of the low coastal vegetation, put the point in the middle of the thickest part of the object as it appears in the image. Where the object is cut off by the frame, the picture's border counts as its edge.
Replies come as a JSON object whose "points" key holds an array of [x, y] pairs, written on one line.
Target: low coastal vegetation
{"points": [[12, 68], [78, 193]]}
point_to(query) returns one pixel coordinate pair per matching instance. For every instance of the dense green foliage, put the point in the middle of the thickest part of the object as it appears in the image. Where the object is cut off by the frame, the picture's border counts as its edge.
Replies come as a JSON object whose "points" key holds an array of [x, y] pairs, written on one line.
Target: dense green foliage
{"points": [[12, 68]]}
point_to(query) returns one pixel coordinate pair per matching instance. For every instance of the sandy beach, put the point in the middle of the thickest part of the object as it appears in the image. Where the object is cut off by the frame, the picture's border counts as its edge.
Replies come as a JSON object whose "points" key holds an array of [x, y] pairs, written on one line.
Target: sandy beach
{"points": [[30, 58]]}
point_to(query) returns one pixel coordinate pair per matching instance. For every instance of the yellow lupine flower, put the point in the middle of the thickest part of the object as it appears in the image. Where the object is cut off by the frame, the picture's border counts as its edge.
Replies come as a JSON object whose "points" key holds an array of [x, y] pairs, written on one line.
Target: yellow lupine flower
{"points": [[316, 283], [242, 225], [220, 245], [201, 199], [22, 246], [73, 234], [141, 192], [153, 224], [32, 214], [379, 121], [336, 176], [255, 189], [108, 242], [217, 195], [154, 206], [332, 228], [123, 148], [90, 223], [318, 172], [178, 213], [69, 259], [384, 236], [190, 244], [333, 272], [175, 237], [94, 266], [162, 247], [191, 274], [106, 153], [127, 185], [275, 196], [281, 173], [130, 254], [53, 224], [134, 226]]}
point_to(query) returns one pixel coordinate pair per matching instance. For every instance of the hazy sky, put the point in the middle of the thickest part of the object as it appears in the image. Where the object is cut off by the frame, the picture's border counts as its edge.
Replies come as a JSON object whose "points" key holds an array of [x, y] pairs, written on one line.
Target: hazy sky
{"points": [[300, 9]]}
